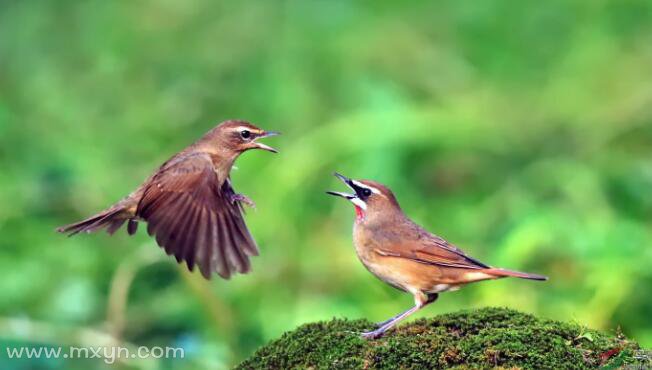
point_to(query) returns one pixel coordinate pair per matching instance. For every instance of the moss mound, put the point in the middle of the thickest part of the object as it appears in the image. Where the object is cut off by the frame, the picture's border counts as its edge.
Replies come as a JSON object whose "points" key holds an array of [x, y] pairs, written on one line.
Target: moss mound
{"points": [[485, 338]]}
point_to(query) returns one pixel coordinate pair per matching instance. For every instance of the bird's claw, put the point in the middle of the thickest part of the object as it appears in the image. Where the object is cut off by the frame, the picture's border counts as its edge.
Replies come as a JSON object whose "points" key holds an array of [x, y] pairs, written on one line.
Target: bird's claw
{"points": [[242, 199]]}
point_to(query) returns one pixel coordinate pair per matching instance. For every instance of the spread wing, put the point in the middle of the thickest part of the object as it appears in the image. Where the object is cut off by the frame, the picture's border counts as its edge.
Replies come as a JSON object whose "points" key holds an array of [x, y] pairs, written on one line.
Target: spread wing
{"points": [[433, 250], [193, 218]]}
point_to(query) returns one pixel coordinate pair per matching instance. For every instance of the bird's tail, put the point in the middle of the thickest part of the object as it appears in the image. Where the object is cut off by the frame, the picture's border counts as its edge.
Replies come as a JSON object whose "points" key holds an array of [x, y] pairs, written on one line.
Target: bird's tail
{"points": [[498, 272], [111, 219]]}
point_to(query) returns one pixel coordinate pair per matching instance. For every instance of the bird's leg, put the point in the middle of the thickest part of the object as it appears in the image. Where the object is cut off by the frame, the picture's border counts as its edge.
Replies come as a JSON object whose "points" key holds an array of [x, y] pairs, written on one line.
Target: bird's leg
{"points": [[420, 299], [375, 334], [242, 199], [380, 324]]}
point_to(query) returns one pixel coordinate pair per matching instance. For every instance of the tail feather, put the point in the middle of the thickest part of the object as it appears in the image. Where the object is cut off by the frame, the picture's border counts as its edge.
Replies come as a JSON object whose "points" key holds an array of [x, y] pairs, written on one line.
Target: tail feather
{"points": [[112, 219], [498, 272], [115, 225]]}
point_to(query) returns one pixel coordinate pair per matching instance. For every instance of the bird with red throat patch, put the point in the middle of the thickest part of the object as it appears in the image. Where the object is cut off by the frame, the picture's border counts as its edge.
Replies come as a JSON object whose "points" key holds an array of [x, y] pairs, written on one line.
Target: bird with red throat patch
{"points": [[405, 255]]}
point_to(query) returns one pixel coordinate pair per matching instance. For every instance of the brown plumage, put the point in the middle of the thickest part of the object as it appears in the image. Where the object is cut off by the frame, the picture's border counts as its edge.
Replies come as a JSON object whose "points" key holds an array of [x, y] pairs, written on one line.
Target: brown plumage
{"points": [[190, 206], [405, 255]]}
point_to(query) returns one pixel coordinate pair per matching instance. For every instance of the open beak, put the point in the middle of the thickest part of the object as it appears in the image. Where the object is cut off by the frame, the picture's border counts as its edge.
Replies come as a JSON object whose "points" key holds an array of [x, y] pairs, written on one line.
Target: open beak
{"points": [[341, 194], [348, 183], [266, 147]]}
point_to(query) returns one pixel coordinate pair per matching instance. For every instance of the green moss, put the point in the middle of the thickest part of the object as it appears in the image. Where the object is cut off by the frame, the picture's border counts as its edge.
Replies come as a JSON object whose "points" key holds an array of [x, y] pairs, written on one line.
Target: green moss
{"points": [[485, 338]]}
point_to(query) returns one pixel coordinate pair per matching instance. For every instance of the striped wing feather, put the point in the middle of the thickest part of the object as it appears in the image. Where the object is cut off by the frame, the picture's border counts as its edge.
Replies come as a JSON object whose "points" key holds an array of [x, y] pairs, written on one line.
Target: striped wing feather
{"points": [[191, 216], [432, 250]]}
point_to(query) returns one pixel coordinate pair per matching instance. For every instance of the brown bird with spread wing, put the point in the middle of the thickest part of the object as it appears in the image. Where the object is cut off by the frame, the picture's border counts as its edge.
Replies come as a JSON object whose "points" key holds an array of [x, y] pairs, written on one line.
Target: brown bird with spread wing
{"points": [[190, 205], [406, 256]]}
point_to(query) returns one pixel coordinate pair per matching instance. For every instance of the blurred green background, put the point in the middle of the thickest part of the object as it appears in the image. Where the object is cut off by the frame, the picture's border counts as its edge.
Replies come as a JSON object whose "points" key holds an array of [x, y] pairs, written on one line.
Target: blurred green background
{"points": [[521, 131]]}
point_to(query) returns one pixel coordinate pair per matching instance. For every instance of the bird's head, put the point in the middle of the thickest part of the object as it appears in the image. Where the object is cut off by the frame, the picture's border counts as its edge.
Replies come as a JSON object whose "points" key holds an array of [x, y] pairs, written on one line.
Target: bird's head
{"points": [[239, 136], [372, 200]]}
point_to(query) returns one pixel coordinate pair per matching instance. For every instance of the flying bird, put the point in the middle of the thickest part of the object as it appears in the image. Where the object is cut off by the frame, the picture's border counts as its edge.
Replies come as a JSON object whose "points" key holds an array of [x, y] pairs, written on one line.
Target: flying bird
{"points": [[406, 256], [190, 206]]}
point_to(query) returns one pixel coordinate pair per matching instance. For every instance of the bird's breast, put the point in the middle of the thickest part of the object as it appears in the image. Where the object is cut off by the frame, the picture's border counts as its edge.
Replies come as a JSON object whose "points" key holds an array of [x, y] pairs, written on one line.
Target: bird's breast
{"points": [[365, 248], [222, 167]]}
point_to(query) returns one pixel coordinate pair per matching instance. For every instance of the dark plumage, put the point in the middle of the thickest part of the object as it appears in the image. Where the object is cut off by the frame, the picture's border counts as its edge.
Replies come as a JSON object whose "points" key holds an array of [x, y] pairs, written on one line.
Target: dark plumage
{"points": [[190, 206]]}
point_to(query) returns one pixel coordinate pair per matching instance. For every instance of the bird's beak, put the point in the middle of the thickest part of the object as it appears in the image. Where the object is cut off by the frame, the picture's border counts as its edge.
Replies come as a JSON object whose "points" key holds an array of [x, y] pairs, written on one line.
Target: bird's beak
{"points": [[341, 194], [344, 179], [263, 146], [348, 183]]}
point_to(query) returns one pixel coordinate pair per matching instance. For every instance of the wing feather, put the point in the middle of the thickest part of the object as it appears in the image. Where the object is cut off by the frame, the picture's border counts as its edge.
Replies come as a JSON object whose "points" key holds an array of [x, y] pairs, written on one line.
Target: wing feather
{"points": [[200, 242], [234, 255], [221, 265], [184, 229], [191, 217], [430, 249], [238, 238]]}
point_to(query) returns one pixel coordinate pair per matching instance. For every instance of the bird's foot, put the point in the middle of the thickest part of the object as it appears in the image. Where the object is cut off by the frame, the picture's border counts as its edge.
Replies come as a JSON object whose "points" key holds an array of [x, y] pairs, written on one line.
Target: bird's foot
{"points": [[374, 334], [243, 199]]}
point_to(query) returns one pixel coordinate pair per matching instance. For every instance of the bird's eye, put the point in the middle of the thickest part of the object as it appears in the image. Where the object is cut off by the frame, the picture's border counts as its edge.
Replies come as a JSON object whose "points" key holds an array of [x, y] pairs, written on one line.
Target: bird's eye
{"points": [[245, 134], [366, 192]]}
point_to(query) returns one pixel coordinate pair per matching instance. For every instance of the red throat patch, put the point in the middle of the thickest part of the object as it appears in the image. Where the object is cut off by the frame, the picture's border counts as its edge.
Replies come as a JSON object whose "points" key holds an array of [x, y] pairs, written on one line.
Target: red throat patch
{"points": [[359, 214]]}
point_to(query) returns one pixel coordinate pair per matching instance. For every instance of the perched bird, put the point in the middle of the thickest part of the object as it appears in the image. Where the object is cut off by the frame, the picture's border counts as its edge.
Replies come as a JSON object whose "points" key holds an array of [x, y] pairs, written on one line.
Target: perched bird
{"points": [[406, 256], [190, 205]]}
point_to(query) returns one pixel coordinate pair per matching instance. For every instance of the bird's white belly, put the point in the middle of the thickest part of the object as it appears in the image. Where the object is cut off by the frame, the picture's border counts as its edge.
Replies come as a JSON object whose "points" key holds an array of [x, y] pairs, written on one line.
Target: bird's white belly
{"points": [[438, 288]]}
